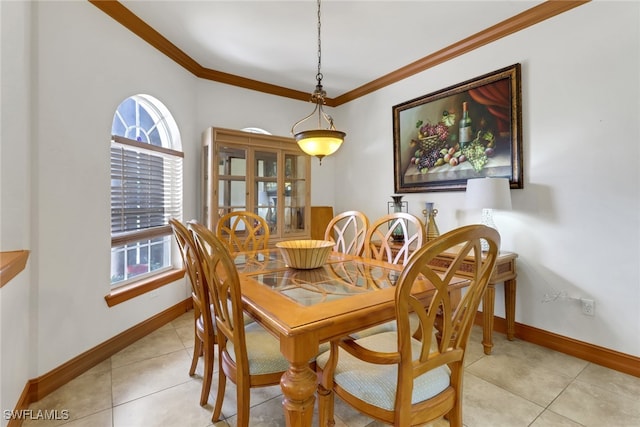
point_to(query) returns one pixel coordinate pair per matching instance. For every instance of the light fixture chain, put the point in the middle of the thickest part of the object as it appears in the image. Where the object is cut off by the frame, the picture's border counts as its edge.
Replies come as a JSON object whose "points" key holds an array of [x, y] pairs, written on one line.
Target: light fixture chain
{"points": [[318, 142], [319, 75]]}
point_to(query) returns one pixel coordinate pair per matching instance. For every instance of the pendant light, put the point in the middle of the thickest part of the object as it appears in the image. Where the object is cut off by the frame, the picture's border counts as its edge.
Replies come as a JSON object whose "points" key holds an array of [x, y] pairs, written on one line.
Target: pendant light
{"points": [[319, 142]]}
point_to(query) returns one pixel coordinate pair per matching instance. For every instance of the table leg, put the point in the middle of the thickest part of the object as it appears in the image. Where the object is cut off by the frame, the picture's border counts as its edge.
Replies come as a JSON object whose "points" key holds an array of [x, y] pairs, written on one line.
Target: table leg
{"points": [[488, 300], [299, 382], [298, 386], [510, 307]]}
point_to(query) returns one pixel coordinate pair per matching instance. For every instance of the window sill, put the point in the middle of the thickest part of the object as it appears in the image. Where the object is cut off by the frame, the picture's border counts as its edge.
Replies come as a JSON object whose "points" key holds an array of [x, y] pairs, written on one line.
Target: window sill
{"points": [[127, 292]]}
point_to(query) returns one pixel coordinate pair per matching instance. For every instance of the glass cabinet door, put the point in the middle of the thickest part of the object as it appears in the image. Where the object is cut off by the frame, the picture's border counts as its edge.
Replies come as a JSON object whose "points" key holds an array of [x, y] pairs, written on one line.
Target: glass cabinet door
{"points": [[266, 187], [295, 191], [265, 174], [232, 186]]}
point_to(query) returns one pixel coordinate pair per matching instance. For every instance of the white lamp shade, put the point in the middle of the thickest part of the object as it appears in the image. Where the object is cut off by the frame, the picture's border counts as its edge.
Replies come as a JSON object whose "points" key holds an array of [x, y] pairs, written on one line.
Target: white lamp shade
{"points": [[488, 193]]}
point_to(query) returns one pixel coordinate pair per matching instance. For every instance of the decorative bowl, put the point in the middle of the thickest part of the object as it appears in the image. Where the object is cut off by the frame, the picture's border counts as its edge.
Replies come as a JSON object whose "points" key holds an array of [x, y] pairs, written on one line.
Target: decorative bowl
{"points": [[305, 254]]}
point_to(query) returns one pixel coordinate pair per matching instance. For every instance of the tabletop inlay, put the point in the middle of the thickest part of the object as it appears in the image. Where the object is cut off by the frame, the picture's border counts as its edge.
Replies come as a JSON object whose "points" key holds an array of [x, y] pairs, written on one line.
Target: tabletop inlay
{"points": [[327, 283], [305, 308], [270, 259]]}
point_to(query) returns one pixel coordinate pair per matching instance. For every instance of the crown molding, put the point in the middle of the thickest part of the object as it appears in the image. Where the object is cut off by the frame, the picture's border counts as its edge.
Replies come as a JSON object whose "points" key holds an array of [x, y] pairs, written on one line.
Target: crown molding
{"points": [[507, 27], [536, 14]]}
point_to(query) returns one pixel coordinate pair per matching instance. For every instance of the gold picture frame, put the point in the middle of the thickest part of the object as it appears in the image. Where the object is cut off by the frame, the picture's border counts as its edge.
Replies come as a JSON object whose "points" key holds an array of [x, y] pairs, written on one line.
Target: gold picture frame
{"points": [[434, 151]]}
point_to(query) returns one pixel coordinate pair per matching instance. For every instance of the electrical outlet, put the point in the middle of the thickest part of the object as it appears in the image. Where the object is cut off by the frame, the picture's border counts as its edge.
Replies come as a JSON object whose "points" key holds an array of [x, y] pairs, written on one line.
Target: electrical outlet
{"points": [[588, 307]]}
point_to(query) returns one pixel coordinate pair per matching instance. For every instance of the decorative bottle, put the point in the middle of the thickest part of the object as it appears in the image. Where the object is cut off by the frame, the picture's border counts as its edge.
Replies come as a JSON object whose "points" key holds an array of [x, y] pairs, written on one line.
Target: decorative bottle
{"points": [[465, 133], [398, 206], [430, 221]]}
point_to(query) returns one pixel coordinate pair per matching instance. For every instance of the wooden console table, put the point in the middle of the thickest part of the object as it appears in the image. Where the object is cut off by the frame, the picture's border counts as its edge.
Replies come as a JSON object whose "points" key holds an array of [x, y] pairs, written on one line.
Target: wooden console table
{"points": [[504, 271]]}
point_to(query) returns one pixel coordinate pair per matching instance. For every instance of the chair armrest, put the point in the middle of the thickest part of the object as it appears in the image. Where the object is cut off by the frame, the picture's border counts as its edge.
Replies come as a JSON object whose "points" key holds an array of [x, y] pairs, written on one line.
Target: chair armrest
{"points": [[368, 355]]}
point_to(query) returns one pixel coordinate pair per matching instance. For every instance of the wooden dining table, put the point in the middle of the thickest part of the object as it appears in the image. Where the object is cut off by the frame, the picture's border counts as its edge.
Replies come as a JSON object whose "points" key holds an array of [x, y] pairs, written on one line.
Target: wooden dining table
{"points": [[305, 308]]}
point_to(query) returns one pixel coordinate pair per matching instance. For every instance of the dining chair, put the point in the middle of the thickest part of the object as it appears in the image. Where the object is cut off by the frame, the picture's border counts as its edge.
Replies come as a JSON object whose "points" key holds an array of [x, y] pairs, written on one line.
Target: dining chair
{"points": [[380, 244], [204, 330], [402, 379], [243, 231], [347, 230], [248, 355]]}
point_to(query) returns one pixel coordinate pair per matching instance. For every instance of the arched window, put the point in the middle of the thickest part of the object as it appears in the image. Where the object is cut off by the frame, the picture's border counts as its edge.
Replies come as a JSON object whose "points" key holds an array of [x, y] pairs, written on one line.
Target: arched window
{"points": [[146, 188]]}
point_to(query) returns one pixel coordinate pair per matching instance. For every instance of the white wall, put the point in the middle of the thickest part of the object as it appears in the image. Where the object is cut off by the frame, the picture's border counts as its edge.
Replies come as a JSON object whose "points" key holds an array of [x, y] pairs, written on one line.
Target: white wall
{"points": [[226, 106], [85, 68], [16, 326], [56, 150], [577, 214], [576, 224]]}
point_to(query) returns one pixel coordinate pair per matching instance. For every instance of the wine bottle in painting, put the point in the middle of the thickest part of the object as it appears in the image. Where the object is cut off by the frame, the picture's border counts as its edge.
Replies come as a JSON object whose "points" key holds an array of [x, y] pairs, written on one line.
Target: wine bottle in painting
{"points": [[465, 133]]}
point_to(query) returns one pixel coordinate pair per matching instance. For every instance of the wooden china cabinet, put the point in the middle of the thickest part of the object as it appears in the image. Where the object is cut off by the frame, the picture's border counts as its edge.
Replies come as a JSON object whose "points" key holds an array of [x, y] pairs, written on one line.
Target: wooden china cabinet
{"points": [[265, 174]]}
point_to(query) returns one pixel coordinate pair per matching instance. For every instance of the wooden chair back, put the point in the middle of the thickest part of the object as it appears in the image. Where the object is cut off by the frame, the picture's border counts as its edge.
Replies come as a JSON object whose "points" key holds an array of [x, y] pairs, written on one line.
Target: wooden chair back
{"points": [[440, 342], [225, 294], [204, 330], [224, 289], [193, 267], [348, 230], [442, 320], [379, 242], [243, 231]]}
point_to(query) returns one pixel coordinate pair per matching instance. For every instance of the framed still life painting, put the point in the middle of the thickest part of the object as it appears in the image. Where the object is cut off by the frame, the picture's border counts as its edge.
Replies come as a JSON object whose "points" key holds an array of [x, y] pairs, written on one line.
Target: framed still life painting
{"points": [[470, 130]]}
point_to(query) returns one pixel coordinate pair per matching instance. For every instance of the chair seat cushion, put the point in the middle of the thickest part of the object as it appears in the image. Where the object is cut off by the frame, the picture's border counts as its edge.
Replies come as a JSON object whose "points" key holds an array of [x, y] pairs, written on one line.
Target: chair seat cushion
{"points": [[263, 351], [200, 322], [376, 384], [390, 326]]}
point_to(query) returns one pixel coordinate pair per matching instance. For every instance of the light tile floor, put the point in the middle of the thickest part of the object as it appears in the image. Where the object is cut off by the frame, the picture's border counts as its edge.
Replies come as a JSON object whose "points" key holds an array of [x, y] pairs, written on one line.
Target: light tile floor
{"points": [[520, 384]]}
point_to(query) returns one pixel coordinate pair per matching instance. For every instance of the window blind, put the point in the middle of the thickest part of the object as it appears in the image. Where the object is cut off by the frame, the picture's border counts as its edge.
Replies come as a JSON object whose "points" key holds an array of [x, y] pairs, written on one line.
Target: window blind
{"points": [[146, 190]]}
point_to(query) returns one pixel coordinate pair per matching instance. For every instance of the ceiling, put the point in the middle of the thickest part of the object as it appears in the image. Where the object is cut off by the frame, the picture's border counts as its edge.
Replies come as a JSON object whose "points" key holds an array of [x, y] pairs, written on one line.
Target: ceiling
{"points": [[276, 42]]}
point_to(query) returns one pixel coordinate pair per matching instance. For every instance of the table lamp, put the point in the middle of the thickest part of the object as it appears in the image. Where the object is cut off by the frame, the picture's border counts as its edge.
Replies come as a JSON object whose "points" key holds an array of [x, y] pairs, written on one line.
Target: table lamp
{"points": [[488, 194]]}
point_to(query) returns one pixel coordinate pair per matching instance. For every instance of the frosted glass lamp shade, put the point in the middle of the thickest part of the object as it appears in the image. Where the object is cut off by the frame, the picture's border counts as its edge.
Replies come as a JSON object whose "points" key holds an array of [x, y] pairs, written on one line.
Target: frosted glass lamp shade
{"points": [[320, 142], [488, 193]]}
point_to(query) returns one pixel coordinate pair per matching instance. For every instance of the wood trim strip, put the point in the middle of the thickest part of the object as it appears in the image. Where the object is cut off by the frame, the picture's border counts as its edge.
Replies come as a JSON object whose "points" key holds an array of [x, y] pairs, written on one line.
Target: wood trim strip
{"points": [[11, 264], [41, 386], [23, 403], [127, 292], [509, 26], [124, 16], [602, 356], [136, 25], [536, 14], [243, 82]]}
